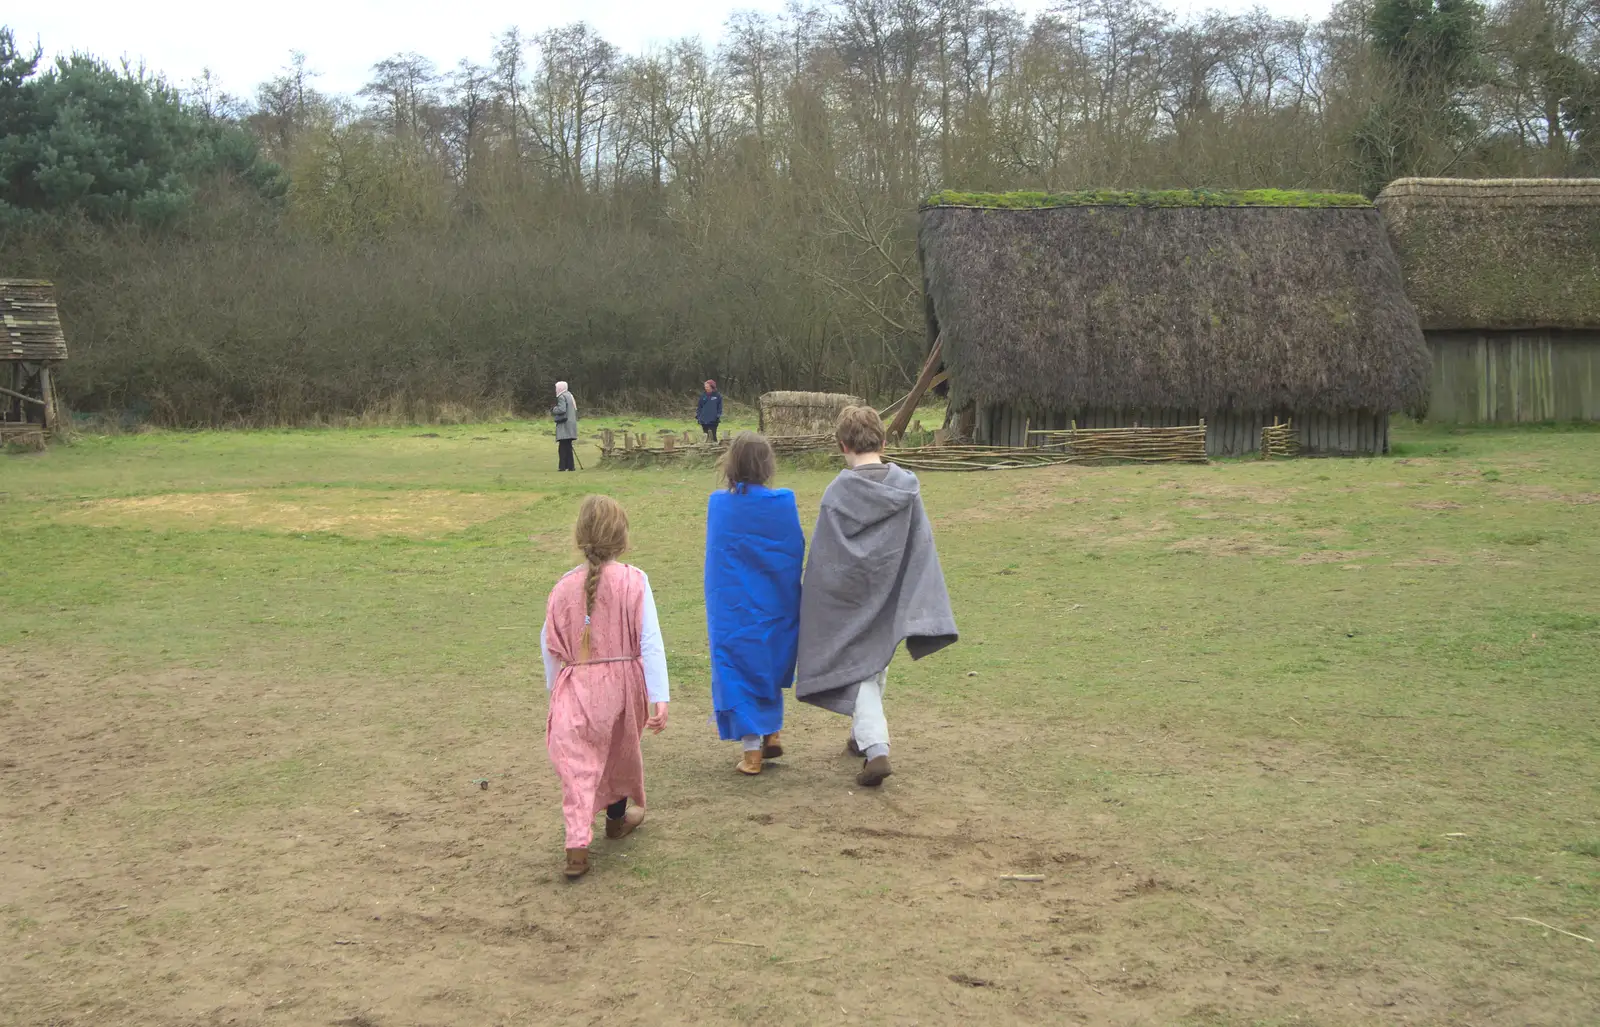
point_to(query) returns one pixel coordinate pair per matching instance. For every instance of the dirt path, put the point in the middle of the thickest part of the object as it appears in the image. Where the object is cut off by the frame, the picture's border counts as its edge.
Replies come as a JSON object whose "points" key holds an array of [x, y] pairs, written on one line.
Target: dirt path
{"points": [[187, 848]]}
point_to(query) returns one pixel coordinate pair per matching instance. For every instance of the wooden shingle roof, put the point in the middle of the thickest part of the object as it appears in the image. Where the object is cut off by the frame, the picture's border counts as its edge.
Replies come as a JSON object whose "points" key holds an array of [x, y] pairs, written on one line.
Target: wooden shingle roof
{"points": [[30, 327]]}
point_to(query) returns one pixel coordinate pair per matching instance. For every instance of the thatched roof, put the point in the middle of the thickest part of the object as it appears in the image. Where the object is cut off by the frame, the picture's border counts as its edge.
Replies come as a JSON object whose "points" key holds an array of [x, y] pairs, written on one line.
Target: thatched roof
{"points": [[30, 328], [1498, 253], [1208, 308]]}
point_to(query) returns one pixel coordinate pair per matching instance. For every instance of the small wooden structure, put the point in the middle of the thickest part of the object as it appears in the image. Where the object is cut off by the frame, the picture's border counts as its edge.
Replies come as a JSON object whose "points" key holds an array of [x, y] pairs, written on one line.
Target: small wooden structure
{"points": [[31, 344], [1505, 275]]}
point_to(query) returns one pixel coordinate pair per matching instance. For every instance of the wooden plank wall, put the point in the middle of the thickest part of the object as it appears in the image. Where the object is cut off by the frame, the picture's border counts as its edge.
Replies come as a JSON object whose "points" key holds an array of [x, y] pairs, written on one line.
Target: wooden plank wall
{"points": [[1230, 434], [1353, 433], [1514, 377]]}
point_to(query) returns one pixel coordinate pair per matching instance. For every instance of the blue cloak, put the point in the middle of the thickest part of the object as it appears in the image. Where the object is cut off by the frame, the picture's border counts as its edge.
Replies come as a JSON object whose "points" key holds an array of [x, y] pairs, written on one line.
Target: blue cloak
{"points": [[755, 552]]}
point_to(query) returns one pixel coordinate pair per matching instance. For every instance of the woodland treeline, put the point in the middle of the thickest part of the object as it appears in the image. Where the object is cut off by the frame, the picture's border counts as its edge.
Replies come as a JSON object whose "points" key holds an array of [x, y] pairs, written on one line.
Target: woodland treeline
{"points": [[456, 238]]}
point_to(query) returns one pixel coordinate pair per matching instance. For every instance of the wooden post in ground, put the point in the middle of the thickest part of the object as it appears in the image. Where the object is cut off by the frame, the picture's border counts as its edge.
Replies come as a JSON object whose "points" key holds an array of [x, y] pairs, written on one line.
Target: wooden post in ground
{"points": [[909, 405], [52, 415]]}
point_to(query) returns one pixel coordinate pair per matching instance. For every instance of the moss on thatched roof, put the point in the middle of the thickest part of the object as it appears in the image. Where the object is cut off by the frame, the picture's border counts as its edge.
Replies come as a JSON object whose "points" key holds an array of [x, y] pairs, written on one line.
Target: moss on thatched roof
{"points": [[1498, 253], [1146, 198], [1141, 308]]}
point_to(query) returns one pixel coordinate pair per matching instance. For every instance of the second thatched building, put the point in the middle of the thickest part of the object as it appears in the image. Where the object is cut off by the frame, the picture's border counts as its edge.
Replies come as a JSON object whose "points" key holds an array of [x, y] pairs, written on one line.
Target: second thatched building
{"points": [[1505, 274], [1115, 309]]}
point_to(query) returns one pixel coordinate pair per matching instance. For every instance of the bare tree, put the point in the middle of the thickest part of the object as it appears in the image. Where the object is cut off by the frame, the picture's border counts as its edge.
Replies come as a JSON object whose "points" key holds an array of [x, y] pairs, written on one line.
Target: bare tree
{"points": [[570, 98]]}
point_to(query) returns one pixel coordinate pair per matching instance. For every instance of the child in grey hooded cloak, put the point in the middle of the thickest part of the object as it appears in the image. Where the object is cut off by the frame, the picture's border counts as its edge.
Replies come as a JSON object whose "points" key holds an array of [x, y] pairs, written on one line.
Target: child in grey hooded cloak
{"points": [[872, 580]]}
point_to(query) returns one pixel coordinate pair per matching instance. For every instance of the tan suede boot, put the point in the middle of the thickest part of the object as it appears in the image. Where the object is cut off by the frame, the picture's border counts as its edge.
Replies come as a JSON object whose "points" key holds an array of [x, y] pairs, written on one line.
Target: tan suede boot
{"points": [[577, 863], [771, 746], [751, 763], [624, 825]]}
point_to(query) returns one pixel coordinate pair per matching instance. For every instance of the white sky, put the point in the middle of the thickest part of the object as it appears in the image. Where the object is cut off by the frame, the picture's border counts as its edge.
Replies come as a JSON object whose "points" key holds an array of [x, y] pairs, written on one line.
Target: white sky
{"points": [[245, 44]]}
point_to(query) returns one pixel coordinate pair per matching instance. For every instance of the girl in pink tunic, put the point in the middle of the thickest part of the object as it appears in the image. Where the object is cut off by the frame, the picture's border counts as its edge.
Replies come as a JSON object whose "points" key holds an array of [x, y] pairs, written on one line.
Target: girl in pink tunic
{"points": [[604, 664]]}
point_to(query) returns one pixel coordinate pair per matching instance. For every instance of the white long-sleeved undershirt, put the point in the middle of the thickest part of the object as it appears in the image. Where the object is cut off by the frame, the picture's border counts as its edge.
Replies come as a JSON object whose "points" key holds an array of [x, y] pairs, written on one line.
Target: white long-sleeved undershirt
{"points": [[652, 651]]}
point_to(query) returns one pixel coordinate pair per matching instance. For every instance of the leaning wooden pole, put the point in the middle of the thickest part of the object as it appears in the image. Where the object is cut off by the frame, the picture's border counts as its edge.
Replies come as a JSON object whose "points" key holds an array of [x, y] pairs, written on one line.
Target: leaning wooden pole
{"points": [[909, 405]]}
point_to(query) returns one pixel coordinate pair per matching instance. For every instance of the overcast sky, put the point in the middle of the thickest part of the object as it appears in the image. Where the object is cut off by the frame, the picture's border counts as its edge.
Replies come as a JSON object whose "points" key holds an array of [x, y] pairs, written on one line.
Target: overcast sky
{"points": [[245, 44]]}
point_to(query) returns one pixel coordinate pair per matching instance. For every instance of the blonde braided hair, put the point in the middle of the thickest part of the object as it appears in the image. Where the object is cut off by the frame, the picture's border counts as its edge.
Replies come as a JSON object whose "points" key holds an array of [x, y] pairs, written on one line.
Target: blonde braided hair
{"points": [[602, 536]]}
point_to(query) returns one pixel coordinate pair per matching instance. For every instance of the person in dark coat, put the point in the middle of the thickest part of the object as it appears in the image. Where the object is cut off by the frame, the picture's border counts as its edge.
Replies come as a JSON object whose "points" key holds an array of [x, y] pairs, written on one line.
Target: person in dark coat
{"points": [[709, 412], [565, 414]]}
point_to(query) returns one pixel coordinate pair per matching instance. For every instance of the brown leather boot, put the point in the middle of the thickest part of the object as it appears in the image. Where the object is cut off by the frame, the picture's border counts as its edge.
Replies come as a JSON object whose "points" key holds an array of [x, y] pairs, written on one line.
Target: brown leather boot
{"points": [[852, 749], [751, 763], [624, 825], [771, 747], [577, 863], [873, 772]]}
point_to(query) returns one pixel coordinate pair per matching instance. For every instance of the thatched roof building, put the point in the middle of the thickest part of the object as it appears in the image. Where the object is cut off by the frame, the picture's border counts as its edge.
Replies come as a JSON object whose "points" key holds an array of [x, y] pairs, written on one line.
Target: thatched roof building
{"points": [[1499, 253], [31, 342], [802, 413], [1505, 275], [1111, 309]]}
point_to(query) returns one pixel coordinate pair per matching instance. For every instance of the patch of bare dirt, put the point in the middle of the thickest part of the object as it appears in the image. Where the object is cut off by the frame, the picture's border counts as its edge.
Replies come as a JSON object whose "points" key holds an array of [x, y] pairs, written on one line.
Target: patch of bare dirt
{"points": [[358, 513], [1036, 492], [1238, 545], [197, 847], [1332, 556], [1548, 494], [1431, 558], [1437, 504], [1249, 493]]}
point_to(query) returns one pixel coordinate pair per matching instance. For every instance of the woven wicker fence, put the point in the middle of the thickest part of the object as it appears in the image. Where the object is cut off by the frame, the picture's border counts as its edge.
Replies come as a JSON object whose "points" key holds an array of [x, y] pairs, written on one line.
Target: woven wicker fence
{"points": [[1279, 440], [1185, 444]]}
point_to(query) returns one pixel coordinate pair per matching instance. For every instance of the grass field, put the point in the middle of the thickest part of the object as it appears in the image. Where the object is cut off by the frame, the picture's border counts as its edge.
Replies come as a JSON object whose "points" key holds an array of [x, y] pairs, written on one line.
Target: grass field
{"points": [[1290, 743]]}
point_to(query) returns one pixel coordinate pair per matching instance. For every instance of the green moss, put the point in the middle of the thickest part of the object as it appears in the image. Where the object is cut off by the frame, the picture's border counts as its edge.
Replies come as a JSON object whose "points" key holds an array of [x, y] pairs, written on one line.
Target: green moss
{"points": [[1146, 198]]}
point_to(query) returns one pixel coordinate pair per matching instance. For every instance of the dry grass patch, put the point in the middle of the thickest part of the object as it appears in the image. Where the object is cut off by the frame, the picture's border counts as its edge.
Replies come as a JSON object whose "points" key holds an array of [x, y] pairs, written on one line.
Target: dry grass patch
{"points": [[1236, 545], [358, 513], [1248, 493], [1333, 556]]}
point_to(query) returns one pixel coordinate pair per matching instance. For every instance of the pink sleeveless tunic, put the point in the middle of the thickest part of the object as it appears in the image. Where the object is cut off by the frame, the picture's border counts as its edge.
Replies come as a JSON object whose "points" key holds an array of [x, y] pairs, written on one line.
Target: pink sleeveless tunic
{"points": [[598, 707]]}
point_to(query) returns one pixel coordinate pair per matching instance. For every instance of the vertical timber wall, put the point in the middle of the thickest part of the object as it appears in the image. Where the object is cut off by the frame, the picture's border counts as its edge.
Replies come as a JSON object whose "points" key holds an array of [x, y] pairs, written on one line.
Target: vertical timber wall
{"points": [[1514, 377], [1352, 433]]}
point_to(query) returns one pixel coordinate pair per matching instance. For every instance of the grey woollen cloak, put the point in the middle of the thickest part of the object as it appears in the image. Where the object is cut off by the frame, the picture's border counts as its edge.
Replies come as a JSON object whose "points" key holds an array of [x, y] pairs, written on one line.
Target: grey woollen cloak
{"points": [[872, 580]]}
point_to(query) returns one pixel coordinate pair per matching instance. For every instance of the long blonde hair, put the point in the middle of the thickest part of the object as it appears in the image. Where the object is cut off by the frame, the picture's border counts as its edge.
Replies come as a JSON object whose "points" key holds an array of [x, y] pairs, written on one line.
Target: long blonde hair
{"points": [[602, 536]]}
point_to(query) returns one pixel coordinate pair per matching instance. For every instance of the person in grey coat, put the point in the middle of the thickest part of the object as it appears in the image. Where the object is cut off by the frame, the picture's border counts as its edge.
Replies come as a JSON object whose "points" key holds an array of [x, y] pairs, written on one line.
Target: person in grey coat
{"points": [[565, 413], [872, 581]]}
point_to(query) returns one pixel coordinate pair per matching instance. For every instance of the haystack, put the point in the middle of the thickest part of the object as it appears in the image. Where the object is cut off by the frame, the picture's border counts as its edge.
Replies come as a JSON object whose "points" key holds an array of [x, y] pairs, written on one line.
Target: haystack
{"points": [[1505, 275], [803, 413], [1166, 308]]}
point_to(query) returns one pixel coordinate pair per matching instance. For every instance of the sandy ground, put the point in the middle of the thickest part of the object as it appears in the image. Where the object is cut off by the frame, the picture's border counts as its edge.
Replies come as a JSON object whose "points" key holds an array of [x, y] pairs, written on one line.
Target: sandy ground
{"points": [[195, 848]]}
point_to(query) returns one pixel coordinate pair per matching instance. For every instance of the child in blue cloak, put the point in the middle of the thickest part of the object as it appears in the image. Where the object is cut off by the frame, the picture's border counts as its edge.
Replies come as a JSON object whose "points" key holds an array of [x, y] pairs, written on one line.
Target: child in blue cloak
{"points": [[755, 553]]}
